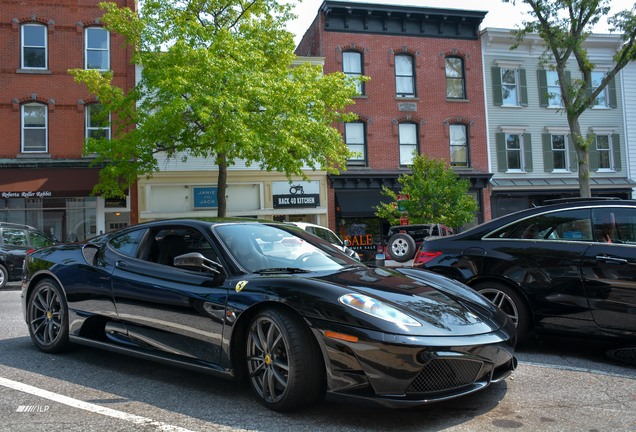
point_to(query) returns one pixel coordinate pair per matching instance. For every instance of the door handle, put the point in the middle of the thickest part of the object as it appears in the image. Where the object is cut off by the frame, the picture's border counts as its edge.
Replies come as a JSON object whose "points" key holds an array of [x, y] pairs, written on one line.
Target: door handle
{"points": [[611, 259], [121, 264]]}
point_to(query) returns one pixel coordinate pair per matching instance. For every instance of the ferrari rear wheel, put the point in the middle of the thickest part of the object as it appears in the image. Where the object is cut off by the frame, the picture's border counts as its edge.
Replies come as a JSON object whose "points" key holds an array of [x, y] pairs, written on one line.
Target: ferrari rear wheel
{"points": [[47, 317], [509, 302], [283, 361]]}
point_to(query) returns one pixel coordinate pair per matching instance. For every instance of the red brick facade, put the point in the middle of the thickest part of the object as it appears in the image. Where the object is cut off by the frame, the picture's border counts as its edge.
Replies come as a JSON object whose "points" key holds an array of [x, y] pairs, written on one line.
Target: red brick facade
{"points": [[430, 109], [65, 22]]}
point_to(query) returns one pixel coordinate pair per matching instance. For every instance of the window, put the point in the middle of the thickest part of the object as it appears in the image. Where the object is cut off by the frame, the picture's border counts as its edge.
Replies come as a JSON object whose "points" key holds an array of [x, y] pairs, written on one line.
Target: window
{"points": [[404, 76], [34, 128], [97, 41], [408, 143], [352, 67], [570, 225], [601, 100], [605, 154], [514, 152], [559, 153], [614, 225], [34, 55], [509, 87], [458, 145], [97, 122], [455, 82], [554, 89], [355, 139]]}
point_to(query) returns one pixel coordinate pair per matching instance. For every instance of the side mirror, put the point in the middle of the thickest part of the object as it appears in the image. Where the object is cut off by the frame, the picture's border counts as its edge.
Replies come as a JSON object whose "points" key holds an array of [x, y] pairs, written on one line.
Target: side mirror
{"points": [[347, 243], [198, 261]]}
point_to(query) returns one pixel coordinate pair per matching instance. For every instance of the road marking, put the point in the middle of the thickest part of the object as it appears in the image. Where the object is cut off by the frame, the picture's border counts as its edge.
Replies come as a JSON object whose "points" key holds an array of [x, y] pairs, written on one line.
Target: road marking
{"points": [[137, 420]]}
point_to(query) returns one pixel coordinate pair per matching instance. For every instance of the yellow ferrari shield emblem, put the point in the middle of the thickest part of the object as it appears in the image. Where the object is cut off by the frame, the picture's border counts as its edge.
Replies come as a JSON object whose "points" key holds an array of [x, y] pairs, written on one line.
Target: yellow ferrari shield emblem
{"points": [[240, 285]]}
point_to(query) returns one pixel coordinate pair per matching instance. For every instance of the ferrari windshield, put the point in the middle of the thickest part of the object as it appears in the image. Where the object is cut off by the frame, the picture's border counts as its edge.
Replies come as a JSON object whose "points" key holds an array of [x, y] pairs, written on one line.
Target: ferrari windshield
{"points": [[260, 247]]}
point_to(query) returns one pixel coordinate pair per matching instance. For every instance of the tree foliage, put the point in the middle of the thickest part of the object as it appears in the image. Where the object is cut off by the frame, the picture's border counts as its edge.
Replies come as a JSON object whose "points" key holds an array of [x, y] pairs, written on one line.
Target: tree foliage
{"points": [[564, 26], [217, 82], [436, 195]]}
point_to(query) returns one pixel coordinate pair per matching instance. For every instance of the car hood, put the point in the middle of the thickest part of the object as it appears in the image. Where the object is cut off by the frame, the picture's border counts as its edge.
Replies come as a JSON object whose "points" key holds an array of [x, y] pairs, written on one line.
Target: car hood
{"points": [[444, 307]]}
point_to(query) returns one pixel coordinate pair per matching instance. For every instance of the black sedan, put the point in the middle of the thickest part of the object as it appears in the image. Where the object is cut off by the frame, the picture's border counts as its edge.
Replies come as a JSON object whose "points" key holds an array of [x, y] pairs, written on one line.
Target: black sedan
{"points": [[270, 303], [563, 268]]}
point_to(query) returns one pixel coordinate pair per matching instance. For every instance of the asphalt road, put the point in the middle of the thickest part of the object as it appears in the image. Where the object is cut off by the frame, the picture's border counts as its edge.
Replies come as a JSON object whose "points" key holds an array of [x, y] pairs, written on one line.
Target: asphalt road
{"points": [[560, 385]]}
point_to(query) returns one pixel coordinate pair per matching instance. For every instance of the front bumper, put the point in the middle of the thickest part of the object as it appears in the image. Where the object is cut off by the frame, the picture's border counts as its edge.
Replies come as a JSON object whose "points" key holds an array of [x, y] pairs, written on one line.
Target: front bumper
{"points": [[400, 371]]}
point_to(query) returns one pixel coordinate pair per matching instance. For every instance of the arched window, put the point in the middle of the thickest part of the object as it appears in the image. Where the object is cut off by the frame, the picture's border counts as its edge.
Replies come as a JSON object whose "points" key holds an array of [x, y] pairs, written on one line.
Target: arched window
{"points": [[97, 122], [34, 53], [356, 139], [459, 145], [34, 122], [97, 48]]}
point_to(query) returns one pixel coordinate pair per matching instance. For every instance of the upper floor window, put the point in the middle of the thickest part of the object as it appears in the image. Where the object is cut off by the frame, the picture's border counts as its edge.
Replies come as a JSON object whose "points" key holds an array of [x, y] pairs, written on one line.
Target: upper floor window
{"points": [[34, 128], [404, 76], [602, 100], [509, 86], [459, 145], [34, 46], [554, 89], [455, 79], [97, 122], [355, 138], [97, 48], [408, 143], [604, 149], [352, 67], [560, 152], [605, 153], [514, 150]]}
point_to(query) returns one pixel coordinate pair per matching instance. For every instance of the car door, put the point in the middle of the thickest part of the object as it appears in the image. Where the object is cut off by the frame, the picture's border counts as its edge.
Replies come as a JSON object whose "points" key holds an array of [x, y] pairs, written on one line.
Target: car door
{"points": [[609, 268], [177, 311]]}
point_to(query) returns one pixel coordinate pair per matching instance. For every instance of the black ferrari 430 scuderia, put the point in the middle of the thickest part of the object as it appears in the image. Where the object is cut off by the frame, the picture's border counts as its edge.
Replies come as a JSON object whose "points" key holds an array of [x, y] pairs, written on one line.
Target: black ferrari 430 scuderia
{"points": [[272, 304]]}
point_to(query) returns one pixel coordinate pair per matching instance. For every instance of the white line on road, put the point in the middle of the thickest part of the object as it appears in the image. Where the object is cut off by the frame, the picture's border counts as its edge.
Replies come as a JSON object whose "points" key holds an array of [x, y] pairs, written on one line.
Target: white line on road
{"points": [[137, 420]]}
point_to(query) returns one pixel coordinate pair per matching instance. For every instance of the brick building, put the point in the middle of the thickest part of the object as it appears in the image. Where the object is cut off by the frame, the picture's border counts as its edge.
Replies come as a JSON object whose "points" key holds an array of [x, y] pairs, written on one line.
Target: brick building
{"points": [[45, 117], [425, 93]]}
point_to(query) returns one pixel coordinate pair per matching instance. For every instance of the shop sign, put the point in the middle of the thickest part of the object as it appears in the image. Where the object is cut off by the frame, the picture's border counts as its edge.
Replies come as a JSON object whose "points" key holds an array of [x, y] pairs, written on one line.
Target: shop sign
{"points": [[205, 197], [296, 194], [27, 194]]}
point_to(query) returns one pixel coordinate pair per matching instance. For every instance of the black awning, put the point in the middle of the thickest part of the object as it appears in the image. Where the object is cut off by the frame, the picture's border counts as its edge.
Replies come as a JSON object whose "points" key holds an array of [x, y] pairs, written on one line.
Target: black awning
{"points": [[359, 202]]}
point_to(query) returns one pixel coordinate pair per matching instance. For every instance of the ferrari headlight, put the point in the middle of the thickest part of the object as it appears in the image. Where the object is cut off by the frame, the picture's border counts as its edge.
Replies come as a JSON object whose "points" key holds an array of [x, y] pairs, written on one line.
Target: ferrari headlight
{"points": [[378, 309]]}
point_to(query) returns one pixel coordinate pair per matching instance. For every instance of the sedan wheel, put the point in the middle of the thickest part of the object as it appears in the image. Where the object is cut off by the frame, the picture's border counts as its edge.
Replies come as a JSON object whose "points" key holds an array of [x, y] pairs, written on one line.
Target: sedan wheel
{"points": [[4, 276], [283, 361], [509, 302], [47, 317]]}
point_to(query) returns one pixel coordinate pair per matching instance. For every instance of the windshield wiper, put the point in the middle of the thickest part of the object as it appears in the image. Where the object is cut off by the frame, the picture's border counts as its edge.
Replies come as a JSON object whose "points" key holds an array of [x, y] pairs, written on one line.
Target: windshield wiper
{"points": [[282, 270]]}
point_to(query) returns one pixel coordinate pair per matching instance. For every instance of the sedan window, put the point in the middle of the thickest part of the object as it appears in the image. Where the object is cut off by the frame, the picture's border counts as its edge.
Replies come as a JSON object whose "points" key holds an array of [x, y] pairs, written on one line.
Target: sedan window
{"points": [[615, 225], [561, 225]]}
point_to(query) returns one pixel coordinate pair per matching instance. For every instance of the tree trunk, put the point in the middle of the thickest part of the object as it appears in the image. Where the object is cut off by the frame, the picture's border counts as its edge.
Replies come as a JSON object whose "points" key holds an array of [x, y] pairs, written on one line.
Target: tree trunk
{"points": [[222, 185], [583, 155]]}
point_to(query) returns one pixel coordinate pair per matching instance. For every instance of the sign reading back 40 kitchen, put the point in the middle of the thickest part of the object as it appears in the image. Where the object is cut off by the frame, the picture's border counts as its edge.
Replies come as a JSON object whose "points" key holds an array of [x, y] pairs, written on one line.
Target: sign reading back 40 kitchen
{"points": [[297, 194]]}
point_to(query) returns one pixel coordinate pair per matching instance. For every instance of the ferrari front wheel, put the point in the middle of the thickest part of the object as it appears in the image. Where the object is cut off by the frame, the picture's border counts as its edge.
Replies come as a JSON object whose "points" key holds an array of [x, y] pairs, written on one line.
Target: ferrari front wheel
{"points": [[283, 361], [47, 317]]}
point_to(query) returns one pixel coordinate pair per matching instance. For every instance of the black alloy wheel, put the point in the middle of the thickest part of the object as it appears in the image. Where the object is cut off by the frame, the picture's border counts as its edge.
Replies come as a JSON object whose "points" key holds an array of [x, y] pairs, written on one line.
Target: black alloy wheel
{"points": [[47, 317], [283, 361], [509, 302]]}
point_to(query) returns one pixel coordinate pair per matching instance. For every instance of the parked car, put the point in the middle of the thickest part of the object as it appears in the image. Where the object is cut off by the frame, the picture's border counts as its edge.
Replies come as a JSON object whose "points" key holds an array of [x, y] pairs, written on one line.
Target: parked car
{"points": [[16, 241], [404, 240], [206, 296], [328, 235], [567, 267]]}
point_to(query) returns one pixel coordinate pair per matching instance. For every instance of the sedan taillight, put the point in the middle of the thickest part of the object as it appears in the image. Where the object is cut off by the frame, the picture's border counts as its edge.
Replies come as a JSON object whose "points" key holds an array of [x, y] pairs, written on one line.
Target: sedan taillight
{"points": [[422, 257]]}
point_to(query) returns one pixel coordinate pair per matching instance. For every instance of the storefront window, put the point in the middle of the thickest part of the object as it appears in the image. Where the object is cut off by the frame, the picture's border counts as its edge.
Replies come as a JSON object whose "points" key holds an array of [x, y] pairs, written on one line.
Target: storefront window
{"points": [[364, 235]]}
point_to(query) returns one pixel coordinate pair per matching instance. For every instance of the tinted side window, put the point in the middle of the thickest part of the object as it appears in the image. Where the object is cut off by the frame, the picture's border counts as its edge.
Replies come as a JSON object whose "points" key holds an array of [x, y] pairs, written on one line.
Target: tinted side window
{"points": [[39, 240], [14, 237], [559, 225], [615, 225], [128, 243]]}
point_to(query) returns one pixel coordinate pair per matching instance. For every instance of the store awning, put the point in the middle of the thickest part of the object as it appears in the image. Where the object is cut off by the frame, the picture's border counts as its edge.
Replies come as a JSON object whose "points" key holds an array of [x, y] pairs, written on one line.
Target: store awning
{"points": [[47, 182], [359, 202]]}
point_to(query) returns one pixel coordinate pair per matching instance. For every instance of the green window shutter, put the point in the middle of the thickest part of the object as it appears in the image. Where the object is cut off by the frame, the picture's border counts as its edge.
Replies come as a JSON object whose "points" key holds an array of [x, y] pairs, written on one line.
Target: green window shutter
{"points": [[616, 148], [574, 158], [496, 86], [527, 152], [548, 162], [502, 160], [524, 87], [593, 156], [611, 91], [568, 78], [543, 88]]}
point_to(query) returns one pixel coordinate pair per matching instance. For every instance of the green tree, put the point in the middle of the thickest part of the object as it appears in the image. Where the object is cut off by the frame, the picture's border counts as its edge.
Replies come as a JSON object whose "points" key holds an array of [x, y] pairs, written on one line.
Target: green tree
{"points": [[436, 195], [217, 82], [564, 26]]}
